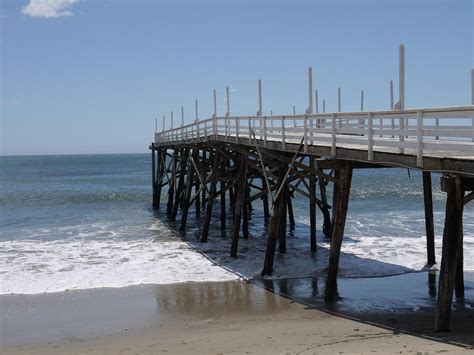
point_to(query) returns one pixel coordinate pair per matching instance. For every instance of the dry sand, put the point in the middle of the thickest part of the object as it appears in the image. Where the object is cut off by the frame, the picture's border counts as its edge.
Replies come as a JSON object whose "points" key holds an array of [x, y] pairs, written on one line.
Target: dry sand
{"points": [[195, 318]]}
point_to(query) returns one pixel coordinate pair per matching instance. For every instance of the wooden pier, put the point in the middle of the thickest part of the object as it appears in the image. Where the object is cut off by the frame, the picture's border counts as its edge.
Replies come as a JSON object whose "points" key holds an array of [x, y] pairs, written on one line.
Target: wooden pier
{"points": [[272, 158]]}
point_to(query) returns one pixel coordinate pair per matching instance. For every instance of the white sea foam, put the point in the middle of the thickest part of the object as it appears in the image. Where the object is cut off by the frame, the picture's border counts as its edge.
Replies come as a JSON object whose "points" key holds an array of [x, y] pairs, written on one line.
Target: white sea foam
{"points": [[33, 266]]}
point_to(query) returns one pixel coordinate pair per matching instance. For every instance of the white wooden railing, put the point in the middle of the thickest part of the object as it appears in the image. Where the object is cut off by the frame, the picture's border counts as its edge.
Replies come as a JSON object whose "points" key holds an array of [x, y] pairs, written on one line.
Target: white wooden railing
{"points": [[420, 132]]}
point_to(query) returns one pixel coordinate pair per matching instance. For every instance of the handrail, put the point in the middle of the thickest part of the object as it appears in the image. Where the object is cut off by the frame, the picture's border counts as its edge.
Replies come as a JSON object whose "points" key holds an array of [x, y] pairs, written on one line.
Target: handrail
{"points": [[411, 131]]}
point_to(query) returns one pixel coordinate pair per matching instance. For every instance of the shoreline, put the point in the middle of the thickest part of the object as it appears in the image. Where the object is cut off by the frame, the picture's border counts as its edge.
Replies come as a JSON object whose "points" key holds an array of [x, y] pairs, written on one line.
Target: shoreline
{"points": [[150, 318]]}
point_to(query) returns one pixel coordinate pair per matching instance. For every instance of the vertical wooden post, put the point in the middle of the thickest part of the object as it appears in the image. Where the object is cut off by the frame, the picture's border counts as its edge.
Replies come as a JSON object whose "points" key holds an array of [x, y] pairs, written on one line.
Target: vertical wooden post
{"points": [[282, 223], [198, 197], [179, 192], [291, 215], [459, 283], [335, 196], [451, 241], [342, 204], [240, 192], [428, 202], [153, 175], [172, 184], [159, 177], [187, 196], [212, 196], [266, 211], [203, 192], [245, 213], [273, 228], [222, 185], [312, 208]]}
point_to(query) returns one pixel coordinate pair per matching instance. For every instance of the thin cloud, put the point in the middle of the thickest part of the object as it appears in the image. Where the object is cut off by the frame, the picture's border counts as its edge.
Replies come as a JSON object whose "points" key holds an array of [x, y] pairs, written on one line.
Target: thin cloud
{"points": [[48, 8]]}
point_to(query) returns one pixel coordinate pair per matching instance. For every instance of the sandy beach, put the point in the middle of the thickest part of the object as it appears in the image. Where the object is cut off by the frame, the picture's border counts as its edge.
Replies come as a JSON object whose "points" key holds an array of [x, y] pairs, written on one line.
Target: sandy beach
{"points": [[228, 317]]}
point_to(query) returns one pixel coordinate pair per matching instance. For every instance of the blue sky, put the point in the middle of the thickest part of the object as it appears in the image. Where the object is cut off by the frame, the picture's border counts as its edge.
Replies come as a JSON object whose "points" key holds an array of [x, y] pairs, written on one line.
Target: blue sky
{"points": [[90, 76]]}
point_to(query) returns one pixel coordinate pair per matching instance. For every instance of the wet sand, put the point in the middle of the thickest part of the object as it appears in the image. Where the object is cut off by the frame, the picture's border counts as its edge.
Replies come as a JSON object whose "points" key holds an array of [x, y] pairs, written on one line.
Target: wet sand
{"points": [[205, 318]]}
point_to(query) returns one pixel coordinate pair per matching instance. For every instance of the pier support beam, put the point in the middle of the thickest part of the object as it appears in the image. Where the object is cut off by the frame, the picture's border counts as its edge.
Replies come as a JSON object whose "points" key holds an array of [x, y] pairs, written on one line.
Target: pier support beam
{"points": [[312, 208], [187, 195], [273, 228], [428, 202], [212, 196], [324, 207], [282, 222], [153, 176], [172, 184], [340, 212], [179, 192], [335, 196], [223, 205], [266, 210], [239, 204], [198, 197], [452, 239]]}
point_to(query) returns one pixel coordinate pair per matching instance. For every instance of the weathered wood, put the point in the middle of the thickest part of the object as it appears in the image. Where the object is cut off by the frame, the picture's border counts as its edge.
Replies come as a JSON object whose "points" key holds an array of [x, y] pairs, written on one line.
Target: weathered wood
{"points": [[312, 208], [324, 208], [223, 189], [153, 177], [282, 224], [179, 191], [340, 209], [212, 196], [273, 229], [239, 203], [266, 210], [159, 178], [429, 224], [291, 215], [245, 214], [171, 187], [197, 188], [459, 283], [451, 241], [187, 196], [203, 192], [335, 196]]}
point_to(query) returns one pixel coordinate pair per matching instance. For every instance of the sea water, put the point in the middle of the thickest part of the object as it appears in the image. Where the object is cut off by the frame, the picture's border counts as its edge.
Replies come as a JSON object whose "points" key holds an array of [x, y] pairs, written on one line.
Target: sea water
{"points": [[85, 221]]}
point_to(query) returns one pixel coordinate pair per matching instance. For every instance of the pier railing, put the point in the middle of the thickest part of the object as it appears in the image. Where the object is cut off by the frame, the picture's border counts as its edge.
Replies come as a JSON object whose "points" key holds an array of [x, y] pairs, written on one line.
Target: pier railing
{"points": [[442, 131]]}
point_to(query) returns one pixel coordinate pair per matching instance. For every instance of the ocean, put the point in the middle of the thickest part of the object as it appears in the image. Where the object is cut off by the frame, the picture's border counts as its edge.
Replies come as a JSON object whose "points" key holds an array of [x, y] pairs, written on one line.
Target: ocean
{"points": [[85, 221]]}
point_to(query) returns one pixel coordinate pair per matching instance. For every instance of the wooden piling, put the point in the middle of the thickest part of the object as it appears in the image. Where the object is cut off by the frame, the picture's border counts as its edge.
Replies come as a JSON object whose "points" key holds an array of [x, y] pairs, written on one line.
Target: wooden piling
{"points": [[187, 195], [179, 191], [459, 282], [451, 241], [282, 224], [160, 175], [340, 212], [203, 192], [312, 208], [239, 203], [291, 216], [172, 184], [197, 184], [428, 202], [153, 176], [273, 229], [212, 196], [223, 188], [324, 207], [245, 213], [335, 196], [266, 210]]}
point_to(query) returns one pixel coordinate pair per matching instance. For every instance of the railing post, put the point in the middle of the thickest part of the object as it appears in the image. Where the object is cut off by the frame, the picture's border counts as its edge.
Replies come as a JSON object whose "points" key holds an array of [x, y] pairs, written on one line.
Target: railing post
{"points": [[419, 139], [265, 131], [305, 125], [437, 127], [370, 137], [250, 128], [237, 121], [401, 135], [333, 146], [283, 132], [472, 100]]}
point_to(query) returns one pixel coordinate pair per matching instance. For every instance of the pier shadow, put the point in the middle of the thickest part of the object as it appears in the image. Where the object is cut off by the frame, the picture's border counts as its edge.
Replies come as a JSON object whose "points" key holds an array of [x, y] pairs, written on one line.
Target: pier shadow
{"points": [[402, 303]]}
